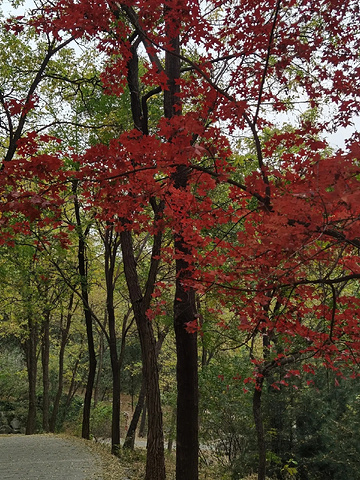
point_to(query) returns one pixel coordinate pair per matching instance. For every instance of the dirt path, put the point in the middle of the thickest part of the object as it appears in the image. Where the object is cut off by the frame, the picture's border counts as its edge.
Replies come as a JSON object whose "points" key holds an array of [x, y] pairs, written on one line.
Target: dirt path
{"points": [[46, 457]]}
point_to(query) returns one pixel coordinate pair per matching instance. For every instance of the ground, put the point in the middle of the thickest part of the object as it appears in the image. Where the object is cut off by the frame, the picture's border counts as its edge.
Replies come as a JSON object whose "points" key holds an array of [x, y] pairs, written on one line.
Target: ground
{"points": [[51, 457]]}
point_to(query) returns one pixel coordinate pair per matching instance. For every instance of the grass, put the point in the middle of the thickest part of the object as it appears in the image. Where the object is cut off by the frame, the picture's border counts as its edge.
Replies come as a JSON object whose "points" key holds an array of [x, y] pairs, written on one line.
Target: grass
{"points": [[131, 464]]}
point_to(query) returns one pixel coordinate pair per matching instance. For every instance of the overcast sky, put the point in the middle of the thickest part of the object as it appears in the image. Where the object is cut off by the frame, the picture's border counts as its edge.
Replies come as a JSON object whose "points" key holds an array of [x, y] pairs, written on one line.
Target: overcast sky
{"points": [[336, 139]]}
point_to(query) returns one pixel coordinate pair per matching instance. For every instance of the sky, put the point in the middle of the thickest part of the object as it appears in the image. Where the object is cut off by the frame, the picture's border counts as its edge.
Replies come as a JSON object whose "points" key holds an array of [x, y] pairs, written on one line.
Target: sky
{"points": [[335, 139]]}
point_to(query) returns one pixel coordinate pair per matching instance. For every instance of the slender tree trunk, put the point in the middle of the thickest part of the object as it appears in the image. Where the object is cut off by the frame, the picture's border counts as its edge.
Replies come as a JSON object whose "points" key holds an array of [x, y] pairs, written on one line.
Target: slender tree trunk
{"points": [[100, 362], [141, 405], [85, 433], [72, 388], [111, 240], [115, 368], [31, 362], [155, 461], [82, 266], [45, 353], [115, 419], [259, 428], [64, 339], [129, 442], [54, 414]]}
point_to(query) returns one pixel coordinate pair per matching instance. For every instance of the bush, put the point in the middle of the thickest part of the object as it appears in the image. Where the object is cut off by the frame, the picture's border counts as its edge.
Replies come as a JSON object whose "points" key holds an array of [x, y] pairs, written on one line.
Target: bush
{"points": [[100, 420]]}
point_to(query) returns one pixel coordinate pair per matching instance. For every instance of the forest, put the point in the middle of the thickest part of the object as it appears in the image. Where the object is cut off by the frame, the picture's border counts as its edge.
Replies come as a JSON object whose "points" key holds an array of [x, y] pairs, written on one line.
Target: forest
{"points": [[180, 232]]}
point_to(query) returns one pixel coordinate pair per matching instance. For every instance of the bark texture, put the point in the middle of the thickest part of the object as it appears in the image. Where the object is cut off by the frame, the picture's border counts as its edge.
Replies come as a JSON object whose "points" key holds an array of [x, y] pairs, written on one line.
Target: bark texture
{"points": [[64, 329], [82, 266], [45, 354], [155, 461], [187, 443], [259, 429], [31, 363]]}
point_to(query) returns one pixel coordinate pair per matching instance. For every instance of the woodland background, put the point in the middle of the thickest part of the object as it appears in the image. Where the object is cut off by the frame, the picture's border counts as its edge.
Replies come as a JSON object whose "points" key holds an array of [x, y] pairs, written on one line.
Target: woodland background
{"points": [[179, 239]]}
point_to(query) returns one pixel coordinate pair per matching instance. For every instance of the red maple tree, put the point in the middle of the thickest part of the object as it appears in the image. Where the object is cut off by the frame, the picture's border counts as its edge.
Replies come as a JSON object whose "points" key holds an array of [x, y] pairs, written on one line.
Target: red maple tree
{"points": [[272, 226]]}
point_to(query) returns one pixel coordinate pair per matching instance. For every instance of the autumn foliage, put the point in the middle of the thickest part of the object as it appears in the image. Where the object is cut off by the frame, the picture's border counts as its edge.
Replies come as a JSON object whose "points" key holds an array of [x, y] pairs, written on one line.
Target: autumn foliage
{"points": [[269, 212]]}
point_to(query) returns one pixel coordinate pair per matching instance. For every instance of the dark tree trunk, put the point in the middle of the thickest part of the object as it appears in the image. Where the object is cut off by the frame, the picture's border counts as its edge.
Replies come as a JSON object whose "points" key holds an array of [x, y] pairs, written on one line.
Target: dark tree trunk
{"points": [[85, 432], [155, 461], [141, 405], [82, 266], [100, 362], [31, 362], [187, 443], [115, 418], [259, 428], [131, 433], [111, 241], [45, 353], [257, 409], [115, 369], [64, 339]]}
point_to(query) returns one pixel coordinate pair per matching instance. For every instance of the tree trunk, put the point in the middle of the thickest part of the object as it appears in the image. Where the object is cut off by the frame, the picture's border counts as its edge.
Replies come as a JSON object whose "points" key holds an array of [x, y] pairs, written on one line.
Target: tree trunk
{"points": [[259, 429], [129, 442], [111, 241], [155, 461], [115, 417], [141, 404], [45, 353], [100, 362], [187, 430], [187, 443], [64, 338], [72, 389], [85, 432], [31, 362], [82, 266]]}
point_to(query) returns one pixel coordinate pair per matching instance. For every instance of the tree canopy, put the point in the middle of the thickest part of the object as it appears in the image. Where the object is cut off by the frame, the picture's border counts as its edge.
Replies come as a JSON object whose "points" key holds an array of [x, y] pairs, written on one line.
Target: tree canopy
{"points": [[202, 127]]}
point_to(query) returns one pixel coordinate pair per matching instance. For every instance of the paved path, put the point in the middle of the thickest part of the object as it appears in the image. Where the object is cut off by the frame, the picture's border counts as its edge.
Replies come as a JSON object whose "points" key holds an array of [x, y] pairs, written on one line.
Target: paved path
{"points": [[46, 457]]}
